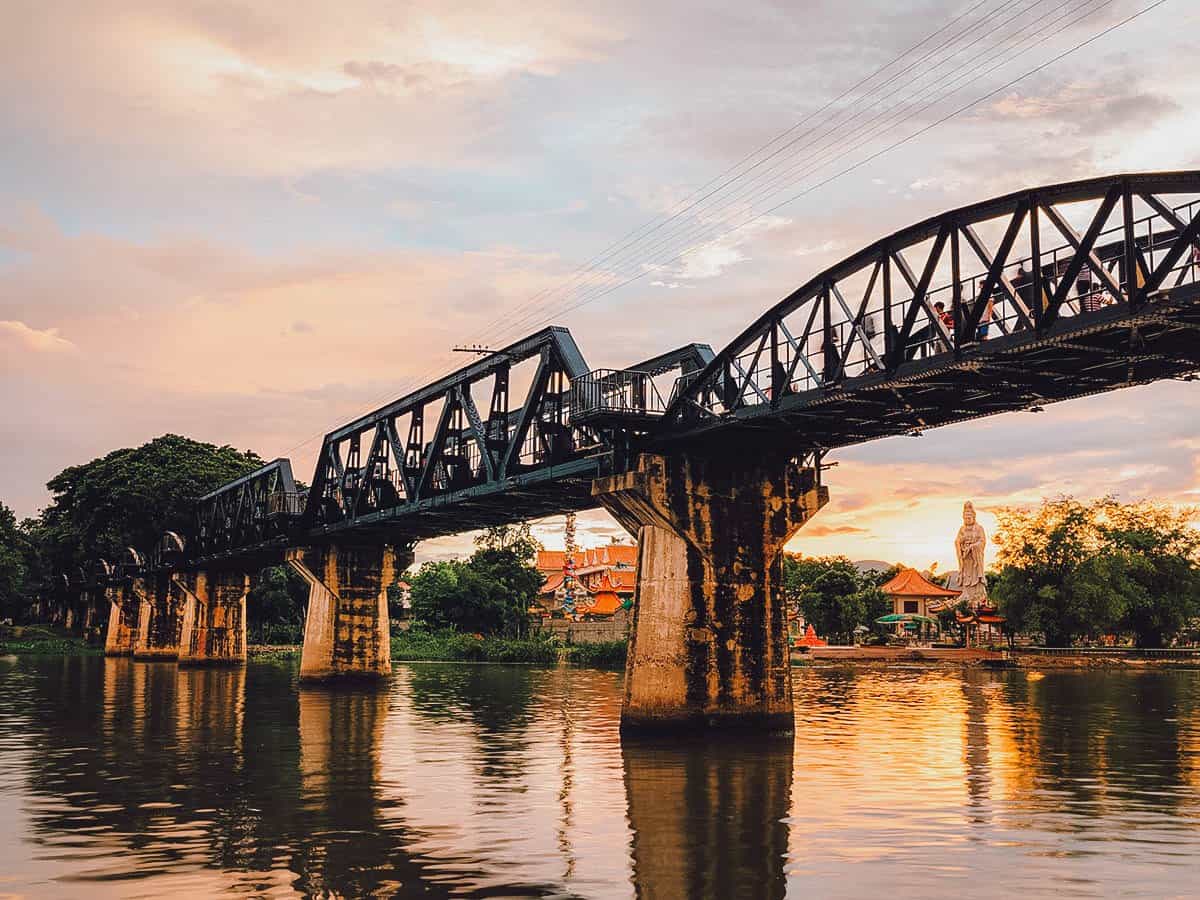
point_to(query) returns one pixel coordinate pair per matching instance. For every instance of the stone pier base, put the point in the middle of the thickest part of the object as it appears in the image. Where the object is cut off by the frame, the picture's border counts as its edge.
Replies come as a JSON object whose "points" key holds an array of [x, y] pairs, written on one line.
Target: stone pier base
{"points": [[213, 630], [708, 648], [346, 632], [125, 600], [160, 620]]}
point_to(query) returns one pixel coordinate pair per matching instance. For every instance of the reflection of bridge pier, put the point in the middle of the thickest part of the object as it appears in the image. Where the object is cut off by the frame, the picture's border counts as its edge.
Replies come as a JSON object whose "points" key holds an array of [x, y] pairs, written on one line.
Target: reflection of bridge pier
{"points": [[346, 631], [709, 646], [684, 800]]}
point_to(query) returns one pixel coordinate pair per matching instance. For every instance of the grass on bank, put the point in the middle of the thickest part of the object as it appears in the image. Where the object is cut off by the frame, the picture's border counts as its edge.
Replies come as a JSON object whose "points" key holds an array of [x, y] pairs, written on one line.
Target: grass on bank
{"points": [[454, 646], [432, 646], [40, 640]]}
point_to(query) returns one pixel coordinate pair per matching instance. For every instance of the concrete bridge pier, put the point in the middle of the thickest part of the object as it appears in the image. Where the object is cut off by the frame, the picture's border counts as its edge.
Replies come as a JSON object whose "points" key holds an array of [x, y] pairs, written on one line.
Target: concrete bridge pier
{"points": [[160, 620], [126, 602], [708, 649], [346, 633], [213, 627]]}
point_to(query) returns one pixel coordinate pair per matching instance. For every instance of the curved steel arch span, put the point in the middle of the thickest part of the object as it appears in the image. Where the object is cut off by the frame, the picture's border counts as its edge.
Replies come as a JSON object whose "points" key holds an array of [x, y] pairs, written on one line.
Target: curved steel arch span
{"points": [[1036, 296]]}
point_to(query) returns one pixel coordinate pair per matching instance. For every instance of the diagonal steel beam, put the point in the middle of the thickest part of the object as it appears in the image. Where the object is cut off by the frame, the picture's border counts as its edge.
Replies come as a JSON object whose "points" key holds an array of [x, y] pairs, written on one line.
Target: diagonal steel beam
{"points": [[995, 275], [477, 431], [1084, 252]]}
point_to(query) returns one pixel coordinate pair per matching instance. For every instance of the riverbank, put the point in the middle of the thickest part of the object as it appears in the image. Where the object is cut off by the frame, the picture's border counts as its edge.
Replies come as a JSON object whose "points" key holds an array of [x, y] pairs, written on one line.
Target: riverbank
{"points": [[456, 647], [42, 640], [876, 657]]}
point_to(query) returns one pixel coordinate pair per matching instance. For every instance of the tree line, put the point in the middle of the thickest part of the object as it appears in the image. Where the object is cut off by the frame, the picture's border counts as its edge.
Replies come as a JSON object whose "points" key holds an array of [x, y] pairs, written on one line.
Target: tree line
{"points": [[130, 497], [1067, 570], [1074, 570]]}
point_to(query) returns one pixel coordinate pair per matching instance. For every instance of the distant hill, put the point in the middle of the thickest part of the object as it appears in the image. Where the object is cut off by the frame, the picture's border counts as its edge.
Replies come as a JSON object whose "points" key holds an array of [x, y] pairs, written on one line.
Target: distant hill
{"points": [[872, 565]]}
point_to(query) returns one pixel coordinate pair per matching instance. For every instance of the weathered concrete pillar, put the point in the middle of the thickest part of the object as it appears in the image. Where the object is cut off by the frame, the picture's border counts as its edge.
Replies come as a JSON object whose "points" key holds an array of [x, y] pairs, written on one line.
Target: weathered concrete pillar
{"points": [[160, 619], [126, 603], [346, 633], [708, 647], [213, 630]]}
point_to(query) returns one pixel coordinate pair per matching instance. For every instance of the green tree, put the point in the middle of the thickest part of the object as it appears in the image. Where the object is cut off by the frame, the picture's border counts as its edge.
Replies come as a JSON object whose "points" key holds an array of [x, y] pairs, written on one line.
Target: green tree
{"points": [[489, 593], [276, 605], [131, 496], [1159, 549], [832, 595], [516, 537], [451, 594], [1071, 569], [15, 581]]}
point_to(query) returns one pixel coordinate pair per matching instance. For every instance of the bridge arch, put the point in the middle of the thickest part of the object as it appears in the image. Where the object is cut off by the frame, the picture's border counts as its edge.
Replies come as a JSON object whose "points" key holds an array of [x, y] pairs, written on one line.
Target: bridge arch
{"points": [[976, 294]]}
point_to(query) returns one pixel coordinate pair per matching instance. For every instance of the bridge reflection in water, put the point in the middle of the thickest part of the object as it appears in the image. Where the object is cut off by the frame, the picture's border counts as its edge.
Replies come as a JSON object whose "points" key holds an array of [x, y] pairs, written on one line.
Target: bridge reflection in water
{"points": [[120, 778], [709, 819]]}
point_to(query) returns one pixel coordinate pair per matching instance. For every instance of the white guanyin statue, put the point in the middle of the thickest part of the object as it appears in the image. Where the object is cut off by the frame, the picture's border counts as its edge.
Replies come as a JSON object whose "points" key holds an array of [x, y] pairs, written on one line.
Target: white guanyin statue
{"points": [[969, 546]]}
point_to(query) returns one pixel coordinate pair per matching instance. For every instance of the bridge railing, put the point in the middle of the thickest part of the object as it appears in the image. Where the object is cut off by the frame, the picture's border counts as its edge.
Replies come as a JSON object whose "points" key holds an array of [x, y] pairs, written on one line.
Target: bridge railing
{"points": [[950, 284]]}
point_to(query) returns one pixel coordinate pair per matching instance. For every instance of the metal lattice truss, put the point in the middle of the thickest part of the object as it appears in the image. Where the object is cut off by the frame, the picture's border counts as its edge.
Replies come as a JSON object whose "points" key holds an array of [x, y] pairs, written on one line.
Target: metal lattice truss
{"points": [[460, 442], [252, 510], [1036, 296]]}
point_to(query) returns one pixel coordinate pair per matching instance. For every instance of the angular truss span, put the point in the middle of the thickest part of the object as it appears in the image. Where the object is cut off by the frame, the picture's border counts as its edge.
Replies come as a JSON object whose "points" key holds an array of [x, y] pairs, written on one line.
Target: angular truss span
{"points": [[458, 454], [1036, 296], [248, 511]]}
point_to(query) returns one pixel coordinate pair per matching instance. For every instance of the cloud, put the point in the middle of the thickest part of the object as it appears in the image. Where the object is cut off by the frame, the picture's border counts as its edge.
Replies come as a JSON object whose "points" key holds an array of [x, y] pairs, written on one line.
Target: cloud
{"points": [[289, 91], [1087, 108], [819, 530], [45, 341]]}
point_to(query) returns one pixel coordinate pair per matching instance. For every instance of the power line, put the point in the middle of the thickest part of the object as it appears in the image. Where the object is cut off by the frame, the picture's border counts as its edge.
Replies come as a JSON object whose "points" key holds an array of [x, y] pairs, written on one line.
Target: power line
{"points": [[692, 238], [906, 139], [623, 244], [701, 200], [846, 170]]}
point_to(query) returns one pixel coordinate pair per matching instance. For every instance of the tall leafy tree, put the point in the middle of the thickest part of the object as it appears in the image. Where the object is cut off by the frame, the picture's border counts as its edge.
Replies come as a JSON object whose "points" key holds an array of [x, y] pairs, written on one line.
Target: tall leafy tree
{"points": [[1159, 549], [489, 593], [516, 538], [1071, 569], [15, 580], [832, 595], [131, 496]]}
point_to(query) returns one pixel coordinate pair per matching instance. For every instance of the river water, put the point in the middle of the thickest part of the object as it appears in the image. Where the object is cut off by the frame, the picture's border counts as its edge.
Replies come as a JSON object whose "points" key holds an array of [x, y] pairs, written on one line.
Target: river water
{"points": [[123, 779]]}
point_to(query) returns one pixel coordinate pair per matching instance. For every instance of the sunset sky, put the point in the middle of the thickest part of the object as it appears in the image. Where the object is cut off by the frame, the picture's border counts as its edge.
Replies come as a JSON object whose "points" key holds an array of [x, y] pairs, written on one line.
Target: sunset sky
{"points": [[248, 223]]}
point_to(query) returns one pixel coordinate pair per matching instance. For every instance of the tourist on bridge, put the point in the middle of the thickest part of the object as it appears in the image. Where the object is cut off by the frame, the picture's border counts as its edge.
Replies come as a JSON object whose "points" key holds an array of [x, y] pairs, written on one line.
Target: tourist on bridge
{"points": [[985, 320], [1089, 298]]}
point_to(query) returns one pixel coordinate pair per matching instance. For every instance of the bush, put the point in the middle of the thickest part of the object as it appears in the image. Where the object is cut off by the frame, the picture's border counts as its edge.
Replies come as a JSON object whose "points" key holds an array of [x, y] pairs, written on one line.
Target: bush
{"points": [[454, 646], [602, 655]]}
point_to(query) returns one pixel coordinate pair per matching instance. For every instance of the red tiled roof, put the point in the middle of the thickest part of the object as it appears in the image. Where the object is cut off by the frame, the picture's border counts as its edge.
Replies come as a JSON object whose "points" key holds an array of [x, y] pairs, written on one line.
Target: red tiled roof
{"points": [[624, 555], [551, 560], [911, 583], [622, 581], [606, 603]]}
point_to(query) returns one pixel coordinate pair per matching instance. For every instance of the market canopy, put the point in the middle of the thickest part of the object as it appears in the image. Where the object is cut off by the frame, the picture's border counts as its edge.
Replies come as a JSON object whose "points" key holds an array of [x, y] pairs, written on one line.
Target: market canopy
{"points": [[894, 618]]}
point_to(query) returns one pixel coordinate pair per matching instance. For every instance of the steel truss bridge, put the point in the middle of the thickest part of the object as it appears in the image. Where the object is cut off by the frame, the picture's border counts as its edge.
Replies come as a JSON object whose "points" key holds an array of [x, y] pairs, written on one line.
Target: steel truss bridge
{"points": [[1038, 296]]}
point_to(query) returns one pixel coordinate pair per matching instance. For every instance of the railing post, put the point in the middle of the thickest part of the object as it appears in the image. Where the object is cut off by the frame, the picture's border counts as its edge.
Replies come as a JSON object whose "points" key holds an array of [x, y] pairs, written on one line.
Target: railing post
{"points": [[1131, 266], [1035, 252]]}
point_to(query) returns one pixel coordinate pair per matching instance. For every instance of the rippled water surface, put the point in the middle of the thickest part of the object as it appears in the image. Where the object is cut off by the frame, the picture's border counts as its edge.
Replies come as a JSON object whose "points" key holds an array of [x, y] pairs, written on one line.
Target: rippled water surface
{"points": [[123, 779]]}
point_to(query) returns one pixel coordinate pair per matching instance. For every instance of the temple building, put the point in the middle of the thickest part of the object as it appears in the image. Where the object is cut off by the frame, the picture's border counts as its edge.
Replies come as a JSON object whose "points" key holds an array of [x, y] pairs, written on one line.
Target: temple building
{"points": [[912, 593], [605, 579]]}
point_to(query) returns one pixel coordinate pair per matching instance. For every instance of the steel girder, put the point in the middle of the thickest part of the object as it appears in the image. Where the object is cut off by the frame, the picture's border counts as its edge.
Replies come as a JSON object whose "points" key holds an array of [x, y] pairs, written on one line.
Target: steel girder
{"points": [[254, 509], [432, 462], [861, 351]]}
